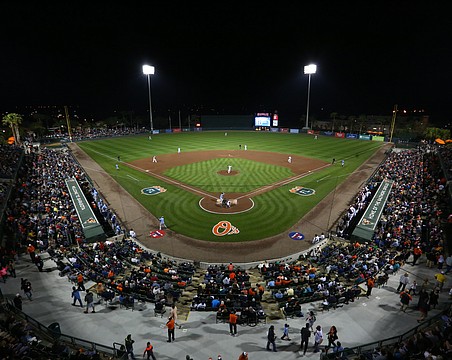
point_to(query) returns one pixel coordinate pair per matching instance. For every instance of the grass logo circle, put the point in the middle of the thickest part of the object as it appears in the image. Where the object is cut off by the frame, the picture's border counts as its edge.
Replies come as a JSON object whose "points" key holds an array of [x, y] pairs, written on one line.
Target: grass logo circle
{"points": [[153, 190], [224, 228], [303, 191], [296, 235]]}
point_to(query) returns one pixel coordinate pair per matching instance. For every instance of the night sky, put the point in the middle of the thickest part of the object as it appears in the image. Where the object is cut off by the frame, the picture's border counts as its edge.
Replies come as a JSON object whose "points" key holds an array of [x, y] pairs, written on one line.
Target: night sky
{"points": [[235, 58]]}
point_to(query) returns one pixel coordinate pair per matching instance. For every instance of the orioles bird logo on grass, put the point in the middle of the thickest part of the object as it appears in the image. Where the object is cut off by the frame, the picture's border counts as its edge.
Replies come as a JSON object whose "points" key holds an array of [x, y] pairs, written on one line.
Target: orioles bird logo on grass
{"points": [[224, 228]]}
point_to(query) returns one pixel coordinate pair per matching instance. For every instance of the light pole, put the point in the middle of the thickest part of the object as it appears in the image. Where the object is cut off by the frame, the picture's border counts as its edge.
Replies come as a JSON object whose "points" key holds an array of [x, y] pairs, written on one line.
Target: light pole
{"points": [[309, 70], [149, 70]]}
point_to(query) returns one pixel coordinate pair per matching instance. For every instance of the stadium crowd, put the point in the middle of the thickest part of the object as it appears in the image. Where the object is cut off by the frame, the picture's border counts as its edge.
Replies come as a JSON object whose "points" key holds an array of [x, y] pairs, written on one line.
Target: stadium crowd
{"points": [[40, 215]]}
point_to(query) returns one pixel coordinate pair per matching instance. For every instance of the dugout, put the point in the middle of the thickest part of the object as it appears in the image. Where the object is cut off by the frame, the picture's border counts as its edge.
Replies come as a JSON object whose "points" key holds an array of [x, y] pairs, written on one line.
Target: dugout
{"points": [[227, 122], [365, 229]]}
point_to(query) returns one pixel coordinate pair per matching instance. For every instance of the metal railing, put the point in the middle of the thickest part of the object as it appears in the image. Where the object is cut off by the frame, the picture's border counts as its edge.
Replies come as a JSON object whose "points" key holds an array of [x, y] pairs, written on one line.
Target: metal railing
{"points": [[51, 335], [355, 352]]}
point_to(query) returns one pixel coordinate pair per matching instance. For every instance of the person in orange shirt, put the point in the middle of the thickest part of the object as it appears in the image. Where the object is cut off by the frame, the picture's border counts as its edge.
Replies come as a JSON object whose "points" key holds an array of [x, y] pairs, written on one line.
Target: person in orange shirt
{"points": [[417, 252], [170, 324], [233, 323], [80, 282], [31, 251], [243, 356], [370, 285], [149, 351]]}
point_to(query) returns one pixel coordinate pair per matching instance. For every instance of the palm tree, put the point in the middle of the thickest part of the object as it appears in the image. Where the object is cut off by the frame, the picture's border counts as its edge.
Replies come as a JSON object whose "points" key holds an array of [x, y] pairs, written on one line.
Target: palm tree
{"points": [[13, 121]]}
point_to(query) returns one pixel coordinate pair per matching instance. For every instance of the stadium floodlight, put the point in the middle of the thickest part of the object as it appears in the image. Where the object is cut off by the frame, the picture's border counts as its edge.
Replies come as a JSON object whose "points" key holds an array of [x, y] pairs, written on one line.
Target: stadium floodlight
{"points": [[149, 70], [309, 70]]}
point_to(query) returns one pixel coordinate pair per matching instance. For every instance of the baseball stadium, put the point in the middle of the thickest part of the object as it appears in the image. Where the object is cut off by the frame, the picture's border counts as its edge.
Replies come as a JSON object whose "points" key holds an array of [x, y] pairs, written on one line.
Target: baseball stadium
{"points": [[274, 226]]}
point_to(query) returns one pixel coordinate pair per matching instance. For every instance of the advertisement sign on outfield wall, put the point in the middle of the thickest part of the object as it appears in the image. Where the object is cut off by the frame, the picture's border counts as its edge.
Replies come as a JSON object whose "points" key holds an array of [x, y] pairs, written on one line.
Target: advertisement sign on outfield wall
{"points": [[274, 129], [177, 130], [351, 136], [284, 130], [168, 131], [328, 133], [339, 135], [155, 132], [364, 137], [378, 138], [294, 131], [197, 129]]}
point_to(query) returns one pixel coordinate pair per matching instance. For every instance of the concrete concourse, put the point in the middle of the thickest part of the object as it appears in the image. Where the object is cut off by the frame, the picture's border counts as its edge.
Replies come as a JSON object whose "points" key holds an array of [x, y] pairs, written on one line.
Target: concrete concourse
{"points": [[361, 322]]}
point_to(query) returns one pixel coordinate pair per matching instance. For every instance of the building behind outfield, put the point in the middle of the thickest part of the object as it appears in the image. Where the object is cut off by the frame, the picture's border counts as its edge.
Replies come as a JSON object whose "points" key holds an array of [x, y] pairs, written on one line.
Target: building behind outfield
{"points": [[227, 122]]}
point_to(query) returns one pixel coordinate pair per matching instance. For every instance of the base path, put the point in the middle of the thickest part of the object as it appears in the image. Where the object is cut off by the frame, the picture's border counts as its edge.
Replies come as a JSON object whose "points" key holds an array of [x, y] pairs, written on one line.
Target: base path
{"points": [[133, 215]]}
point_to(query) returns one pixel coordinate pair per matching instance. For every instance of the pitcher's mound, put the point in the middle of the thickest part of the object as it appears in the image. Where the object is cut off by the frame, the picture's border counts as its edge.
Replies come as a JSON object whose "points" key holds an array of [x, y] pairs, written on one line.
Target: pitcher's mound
{"points": [[225, 172]]}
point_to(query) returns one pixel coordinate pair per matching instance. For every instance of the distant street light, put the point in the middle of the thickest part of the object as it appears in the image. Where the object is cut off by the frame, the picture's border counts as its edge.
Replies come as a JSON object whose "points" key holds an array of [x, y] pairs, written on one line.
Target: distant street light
{"points": [[149, 70], [309, 70]]}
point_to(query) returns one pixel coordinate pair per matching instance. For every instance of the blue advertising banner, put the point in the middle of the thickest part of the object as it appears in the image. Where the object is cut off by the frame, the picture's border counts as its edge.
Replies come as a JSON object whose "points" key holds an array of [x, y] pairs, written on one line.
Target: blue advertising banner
{"points": [[274, 129], [294, 131], [328, 133], [351, 136]]}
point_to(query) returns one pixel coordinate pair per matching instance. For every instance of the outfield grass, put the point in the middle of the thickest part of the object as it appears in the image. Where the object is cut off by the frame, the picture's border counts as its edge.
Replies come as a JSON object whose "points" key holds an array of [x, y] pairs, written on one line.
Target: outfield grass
{"points": [[274, 212]]}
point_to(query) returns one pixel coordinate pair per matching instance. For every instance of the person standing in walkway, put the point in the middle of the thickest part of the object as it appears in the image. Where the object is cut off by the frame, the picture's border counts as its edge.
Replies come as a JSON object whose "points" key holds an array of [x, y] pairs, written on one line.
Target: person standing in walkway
{"points": [[170, 324], [331, 337], [403, 282], [26, 287], [32, 252], [405, 299], [76, 295], [433, 298], [18, 301], [12, 268], [440, 280], [233, 323], [305, 335], [318, 338], [154, 159], [149, 351], [289, 159], [311, 320], [128, 342], [285, 335], [173, 314], [271, 337], [370, 285], [89, 299], [417, 253], [80, 284], [39, 263], [243, 356]]}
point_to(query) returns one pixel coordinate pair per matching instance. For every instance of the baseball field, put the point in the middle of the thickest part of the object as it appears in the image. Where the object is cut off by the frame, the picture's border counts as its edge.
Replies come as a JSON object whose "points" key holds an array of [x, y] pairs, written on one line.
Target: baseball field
{"points": [[266, 192]]}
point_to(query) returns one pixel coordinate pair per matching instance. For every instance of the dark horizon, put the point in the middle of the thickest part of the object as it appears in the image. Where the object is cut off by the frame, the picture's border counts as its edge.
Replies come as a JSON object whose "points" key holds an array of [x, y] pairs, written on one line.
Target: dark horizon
{"points": [[237, 57]]}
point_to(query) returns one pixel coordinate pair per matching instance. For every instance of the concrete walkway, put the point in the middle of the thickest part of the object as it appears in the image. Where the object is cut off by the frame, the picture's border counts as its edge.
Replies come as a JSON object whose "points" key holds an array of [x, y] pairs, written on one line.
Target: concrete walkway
{"points": [[363, 321]]}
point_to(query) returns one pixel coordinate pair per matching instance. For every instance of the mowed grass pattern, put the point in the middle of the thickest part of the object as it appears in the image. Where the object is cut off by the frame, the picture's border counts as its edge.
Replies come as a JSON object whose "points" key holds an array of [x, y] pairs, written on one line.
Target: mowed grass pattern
{"points": [[274, 212], [251, 175]]}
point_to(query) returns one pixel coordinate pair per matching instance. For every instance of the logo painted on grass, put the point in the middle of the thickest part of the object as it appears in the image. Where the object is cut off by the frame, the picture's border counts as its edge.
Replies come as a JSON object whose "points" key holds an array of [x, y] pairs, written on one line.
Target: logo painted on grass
{"points": [[153, 190], [296, 235], [224, 228], [303, 191], [157, 234]]}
